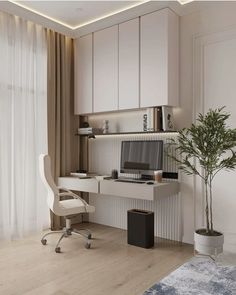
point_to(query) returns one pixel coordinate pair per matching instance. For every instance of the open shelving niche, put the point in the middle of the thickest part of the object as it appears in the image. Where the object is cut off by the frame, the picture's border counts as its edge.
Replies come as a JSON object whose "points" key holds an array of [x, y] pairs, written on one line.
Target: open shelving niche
{"points": [[124, 124], [121, 125]]}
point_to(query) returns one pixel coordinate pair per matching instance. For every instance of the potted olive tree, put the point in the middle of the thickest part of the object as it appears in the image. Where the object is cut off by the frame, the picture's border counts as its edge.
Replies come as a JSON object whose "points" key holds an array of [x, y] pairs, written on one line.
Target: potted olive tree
{"points": [[205, 149]]}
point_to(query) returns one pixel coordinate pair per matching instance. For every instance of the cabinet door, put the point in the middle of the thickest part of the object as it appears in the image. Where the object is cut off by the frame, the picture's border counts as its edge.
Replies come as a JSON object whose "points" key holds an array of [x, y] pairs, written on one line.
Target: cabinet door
{"points": [[129, 64], [159, 59], [106, 70], [83, 75]]}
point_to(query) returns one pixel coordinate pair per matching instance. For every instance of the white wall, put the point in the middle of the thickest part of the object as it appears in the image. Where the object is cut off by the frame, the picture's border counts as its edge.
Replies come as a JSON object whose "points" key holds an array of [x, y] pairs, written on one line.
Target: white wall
{"points": [[208, 70]]}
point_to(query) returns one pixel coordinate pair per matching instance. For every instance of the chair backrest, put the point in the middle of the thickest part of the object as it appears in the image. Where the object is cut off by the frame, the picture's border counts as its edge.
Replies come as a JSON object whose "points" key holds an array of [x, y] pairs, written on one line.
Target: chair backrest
{"points": [[46, 176]]}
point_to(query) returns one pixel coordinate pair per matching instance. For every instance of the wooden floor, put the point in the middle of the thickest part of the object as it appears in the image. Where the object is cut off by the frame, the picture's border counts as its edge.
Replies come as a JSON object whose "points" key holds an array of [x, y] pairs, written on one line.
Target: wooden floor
{"points": [[110, 267]]}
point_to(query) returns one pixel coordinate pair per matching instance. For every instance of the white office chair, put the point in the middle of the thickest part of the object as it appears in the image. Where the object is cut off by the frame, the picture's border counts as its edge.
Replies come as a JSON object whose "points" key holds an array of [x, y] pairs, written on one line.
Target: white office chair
{"points": [[67, 208]]}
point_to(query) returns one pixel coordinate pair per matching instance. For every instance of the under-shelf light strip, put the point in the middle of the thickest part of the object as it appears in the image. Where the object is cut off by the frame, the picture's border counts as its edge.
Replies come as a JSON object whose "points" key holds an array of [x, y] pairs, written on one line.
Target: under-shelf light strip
{"points": [[165, 134]]}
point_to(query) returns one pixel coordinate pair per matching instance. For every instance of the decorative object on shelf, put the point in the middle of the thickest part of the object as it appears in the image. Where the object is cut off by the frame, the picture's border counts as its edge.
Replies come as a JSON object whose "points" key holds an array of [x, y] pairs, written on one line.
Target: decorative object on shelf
{"points": [[145, 122], [114, 174], [167, 118], [102, 177], [82, 171], [79, 174], [105, 127], [89, 131], [85, 125], [205, 149], [150, 119], [91, 136], [158, 175]]}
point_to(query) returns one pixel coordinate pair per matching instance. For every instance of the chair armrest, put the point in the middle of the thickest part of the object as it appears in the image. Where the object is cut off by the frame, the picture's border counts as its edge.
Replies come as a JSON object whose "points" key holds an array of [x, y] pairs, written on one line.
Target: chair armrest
{"points": [[71, 194], [63, 189]]}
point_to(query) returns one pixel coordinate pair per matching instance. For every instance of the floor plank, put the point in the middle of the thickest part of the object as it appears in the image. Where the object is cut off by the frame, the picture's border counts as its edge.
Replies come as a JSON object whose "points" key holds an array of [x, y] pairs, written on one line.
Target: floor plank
{"points": [[111, 266]]}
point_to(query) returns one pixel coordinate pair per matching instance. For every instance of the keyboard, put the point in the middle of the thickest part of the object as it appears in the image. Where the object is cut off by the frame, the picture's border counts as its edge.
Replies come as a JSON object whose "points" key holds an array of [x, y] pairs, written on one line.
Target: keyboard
{"points": [[129, 181]]}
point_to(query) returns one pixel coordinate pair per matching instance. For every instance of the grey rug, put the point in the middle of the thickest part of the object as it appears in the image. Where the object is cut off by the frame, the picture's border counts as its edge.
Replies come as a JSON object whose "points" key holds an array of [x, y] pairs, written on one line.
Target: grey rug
{"points": [[199, 276]]}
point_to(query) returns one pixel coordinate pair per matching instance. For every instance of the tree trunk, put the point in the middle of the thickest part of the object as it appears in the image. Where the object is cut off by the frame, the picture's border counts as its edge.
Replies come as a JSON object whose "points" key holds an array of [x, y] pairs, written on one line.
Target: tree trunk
{"points": [[207, 208], [211, 215]]}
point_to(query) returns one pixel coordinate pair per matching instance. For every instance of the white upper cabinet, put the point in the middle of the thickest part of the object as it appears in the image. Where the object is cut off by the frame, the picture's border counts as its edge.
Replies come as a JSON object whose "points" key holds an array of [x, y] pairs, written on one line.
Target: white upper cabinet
{"points": [[106, 70], [159, 59], [83, 75], [129, 64]]}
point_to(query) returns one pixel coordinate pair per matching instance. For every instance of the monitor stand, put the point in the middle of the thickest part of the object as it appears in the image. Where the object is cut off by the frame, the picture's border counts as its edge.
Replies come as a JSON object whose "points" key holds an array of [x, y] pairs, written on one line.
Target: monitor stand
{"points": [[146, 177], [139, 177]]}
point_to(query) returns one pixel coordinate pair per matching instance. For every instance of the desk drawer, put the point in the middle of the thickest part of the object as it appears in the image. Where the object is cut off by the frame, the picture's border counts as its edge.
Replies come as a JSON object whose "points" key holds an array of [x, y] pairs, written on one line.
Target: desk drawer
{"points": [[141, 191], [90, 185], [127, 190]]}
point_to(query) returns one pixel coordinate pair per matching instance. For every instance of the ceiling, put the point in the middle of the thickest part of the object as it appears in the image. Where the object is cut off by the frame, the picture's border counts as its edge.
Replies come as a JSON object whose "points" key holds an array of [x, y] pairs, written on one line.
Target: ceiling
{"points": [[75, 14], [76, 18]]}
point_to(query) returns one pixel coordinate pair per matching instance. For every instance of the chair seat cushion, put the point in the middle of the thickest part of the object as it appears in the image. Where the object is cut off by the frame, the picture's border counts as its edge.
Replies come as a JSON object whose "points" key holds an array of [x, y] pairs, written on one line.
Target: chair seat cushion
{"points": [[75, 206]]}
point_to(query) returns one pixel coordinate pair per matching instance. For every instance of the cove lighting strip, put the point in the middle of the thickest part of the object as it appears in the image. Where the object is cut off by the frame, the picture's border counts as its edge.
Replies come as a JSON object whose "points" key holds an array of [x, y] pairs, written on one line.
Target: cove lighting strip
{"points": [[182, 2], [83, 24]]}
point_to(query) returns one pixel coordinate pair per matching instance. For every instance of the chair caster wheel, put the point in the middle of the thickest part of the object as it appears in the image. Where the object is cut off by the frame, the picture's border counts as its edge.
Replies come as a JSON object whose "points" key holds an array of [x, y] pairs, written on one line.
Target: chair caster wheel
{"points": [[44, 241], [90, 236], [58, 250], [87, 245]]}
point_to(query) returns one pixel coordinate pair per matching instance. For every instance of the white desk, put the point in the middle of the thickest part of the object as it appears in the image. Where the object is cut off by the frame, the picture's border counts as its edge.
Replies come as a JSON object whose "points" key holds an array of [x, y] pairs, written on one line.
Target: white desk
{"points": [[141, 191]]}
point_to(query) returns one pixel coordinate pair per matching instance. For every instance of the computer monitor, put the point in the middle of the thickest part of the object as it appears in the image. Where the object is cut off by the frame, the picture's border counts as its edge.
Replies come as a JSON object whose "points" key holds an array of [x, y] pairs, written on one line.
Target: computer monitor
{"points": [[141, 156]]}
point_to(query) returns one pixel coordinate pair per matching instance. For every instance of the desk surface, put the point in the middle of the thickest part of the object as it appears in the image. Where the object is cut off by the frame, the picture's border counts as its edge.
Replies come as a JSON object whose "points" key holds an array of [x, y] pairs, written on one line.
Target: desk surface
{"points": [[121, 189]]}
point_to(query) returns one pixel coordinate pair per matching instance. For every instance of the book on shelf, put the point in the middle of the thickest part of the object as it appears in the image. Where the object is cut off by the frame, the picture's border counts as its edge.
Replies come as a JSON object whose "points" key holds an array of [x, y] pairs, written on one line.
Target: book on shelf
{"points": [[168, 119], [150, 119], [154, 117], [158, 119]]}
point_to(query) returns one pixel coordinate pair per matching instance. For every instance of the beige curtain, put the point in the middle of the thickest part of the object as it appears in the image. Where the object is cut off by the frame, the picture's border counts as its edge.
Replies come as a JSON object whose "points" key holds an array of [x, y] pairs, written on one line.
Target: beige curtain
{"points": [[62, 124]]}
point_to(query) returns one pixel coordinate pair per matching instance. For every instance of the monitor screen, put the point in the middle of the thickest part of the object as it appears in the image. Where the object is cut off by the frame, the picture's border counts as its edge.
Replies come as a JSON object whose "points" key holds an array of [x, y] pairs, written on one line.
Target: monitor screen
{"points": [[141, 156]]}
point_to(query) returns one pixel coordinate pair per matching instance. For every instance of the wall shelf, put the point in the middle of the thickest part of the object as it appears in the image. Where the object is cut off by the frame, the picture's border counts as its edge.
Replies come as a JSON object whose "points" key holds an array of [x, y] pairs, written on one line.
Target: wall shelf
{"points": [[127, 133]]}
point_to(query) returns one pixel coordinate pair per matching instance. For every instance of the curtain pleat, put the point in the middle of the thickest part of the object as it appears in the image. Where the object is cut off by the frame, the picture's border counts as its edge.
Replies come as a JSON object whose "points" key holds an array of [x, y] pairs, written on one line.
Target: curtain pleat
{"points": [[63, 145]]}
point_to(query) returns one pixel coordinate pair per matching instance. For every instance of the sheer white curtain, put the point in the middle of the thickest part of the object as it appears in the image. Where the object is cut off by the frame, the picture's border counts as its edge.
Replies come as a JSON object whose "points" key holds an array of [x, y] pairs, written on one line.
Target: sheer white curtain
{"points": [[23, 126]]}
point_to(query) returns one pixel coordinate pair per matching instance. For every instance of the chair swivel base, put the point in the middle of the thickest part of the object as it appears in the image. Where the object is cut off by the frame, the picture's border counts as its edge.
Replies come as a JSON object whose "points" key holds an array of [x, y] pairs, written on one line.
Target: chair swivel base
{"points": [[66, 232]]}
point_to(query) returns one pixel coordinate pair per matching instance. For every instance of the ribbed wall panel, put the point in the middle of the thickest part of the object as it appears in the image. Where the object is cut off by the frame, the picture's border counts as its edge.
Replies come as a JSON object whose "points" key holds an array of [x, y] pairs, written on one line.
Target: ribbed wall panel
{"points": [[104, 155]]}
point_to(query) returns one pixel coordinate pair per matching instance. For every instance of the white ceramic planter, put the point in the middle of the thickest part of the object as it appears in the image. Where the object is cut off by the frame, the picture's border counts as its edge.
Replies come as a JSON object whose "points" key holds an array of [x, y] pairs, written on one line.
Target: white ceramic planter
{"points": [[208, 245]]}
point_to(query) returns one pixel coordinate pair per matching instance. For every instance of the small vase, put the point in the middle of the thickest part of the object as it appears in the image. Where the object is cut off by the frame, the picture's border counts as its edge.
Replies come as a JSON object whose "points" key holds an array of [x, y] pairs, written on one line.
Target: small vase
{"points": [[105, 127]]}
